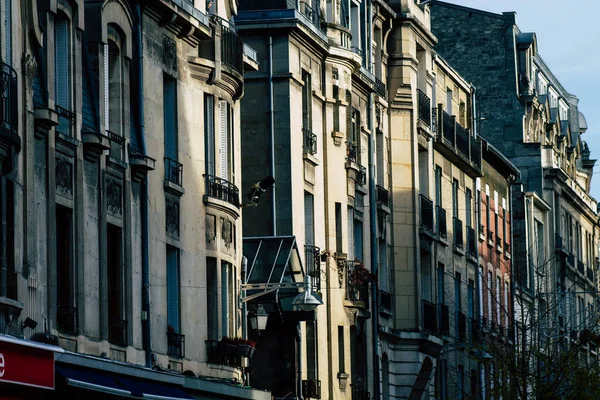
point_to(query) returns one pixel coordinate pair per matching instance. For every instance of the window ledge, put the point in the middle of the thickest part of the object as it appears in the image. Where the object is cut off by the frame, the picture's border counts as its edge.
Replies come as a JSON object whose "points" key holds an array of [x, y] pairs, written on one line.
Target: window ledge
{"points": [[13, 307], [173, 188]]}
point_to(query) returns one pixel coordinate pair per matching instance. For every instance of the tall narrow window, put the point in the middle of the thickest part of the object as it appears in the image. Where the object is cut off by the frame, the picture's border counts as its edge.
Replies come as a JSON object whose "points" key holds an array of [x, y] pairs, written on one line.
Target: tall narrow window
{"points": [[306, 102], [173, 287], [114, 99], [455, 198], [341, 350], [309, 219], [209, 133], [212, 298], [8, 31], [225, 142], [490, 298], [311, 350], [170, 117], [116, 288], [338, 227], [62, 73], [65, 276], [438, 186], [498, 299], [226, 298], [449, 101], [470, 299], [358, 228], [468, 205], [460, 383], [351, 255]]}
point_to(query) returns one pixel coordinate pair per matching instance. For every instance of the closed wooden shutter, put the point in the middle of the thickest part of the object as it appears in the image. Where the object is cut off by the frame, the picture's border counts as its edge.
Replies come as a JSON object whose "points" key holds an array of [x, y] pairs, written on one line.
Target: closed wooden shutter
{"points": [[223, 141], [173, 288], [170, 117], [209, 116], [309, 224], [350, 234], [106, 92]]}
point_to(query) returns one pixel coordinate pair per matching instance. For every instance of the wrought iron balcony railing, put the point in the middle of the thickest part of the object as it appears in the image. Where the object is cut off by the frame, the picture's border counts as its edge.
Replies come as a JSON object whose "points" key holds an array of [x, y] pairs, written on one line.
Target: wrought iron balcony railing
{"points": [[580, 267], [589, 274], [9, 109], [311, 12], [351, 152], [66, 319], [455, 141], [383, 196], [426, 213], [442, 223], [222, 189], [312, 258], [220, 353], [458, 234], [424, 108], [379, 87], [117, 144], [232, 47], [429, 317], [117, 332], [309, 142], [176, 344], [173, 171]]}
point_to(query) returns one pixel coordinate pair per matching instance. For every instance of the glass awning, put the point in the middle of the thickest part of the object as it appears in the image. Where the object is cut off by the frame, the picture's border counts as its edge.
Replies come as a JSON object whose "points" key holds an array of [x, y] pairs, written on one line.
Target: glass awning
{"points": [[273, 259]]}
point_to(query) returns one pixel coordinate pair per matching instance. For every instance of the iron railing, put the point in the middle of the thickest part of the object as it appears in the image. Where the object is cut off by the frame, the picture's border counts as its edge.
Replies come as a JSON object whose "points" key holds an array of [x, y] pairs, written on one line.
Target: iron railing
{"points": [[176, 344], [309, 142], [457, 137], [590, 274], [232, 48], [385, 300], [351, 152], [424, 107], [222, 189], [117, 333], [66, 319], [379, 87], [173, 171], [383, 196], [9, 109], [448, 127], [476, 152], [66, 118], [311, 12], [312, 258], [444, 319], [220, 353], [117, 143], [462, 140], [429, 317], [426, 213], [471, 242], [442, 223], [458, 233], [361, 177]]}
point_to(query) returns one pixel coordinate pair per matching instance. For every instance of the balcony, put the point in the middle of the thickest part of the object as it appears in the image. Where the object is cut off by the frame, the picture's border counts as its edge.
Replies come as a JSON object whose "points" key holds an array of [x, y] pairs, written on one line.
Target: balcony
{"points": [[383, 196], [442, 223], [10, 141], [117, 331], [357, 283], [66, 319], [385, 300], [232, 48], [471, 243], [309, 143], [312, 260], [183, 15], [589, 273], [361, 177], [444, 319], [461, 326], [429, 317], [426, 206], [580, 267], [311, 12], [351, 152], [458, 234], [173, 171], [379, 87], [424, 108], [457, 144], [219, 188], [219, 353], [175, 344]]}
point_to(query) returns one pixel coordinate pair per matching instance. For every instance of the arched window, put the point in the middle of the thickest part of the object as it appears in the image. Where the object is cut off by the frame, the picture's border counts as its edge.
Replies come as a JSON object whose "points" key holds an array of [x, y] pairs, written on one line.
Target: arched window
{"points": [[62, 73], [114, 99]]}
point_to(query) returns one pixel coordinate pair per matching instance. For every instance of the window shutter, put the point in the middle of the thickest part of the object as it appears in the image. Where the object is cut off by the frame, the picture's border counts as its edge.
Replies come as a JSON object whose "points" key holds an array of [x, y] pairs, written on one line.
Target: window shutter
{"points": [[106, 92], [224, 150], [8, 33], [170, 118], [358, 240], [210, 134], [225, 267], [173, 288], [309, 226], [350, 234]]}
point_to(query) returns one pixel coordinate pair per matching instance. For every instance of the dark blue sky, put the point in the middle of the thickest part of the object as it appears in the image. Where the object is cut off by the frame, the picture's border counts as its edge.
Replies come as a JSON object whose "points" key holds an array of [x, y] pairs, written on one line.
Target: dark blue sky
{"points": [[568, 34]]}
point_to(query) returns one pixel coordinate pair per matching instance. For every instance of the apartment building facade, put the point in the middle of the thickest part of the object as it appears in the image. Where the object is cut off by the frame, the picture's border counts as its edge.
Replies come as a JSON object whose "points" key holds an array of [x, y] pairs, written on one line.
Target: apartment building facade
{"points": [[122, 246], [535, 122]]}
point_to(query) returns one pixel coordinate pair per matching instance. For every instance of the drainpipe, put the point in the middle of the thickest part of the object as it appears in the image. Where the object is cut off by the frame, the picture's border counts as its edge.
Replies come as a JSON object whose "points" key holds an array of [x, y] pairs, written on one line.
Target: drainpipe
{"points": [[146, 336], [299, 363], [243, 295], [272, 131], [374, 255]]}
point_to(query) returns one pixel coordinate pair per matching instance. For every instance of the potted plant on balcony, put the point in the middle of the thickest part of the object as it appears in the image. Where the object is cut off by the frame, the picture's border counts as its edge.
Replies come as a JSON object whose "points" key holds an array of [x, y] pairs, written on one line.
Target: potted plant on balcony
{"points": [[245, 347], [227, 346], [359, 278]]}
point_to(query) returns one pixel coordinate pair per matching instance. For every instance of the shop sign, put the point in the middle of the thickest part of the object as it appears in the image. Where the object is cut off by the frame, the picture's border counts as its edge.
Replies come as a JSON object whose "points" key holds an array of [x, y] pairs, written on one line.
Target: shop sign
{"points": [[24, 365]]}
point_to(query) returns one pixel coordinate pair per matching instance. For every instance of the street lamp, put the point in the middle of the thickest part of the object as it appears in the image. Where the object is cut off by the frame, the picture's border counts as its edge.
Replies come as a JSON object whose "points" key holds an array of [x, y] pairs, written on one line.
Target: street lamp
{"points": [[258, 320], [305, 301]]}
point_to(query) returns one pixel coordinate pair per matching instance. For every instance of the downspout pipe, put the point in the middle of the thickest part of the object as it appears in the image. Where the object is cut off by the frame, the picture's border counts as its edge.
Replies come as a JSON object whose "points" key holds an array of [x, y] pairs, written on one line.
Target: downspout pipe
{"points": [[374, 256], [139, 55], [272, 143]]}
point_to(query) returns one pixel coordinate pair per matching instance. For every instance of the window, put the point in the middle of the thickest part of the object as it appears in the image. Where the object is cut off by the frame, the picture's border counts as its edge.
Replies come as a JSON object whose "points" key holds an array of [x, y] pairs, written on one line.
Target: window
{"points": [[468, 205], [490, 299], [7, 31], [309, 219], [504, 222], [209, 133], [116, 287], [341, 350], [311, 350], [113, 97], [212, 296], [355, 25], [9, 243], [62, 73], [306, 102], [358, 227], [474, 385], [440, 284], [480, 289], [455, 198], [449, 101], [443, 379], [65, 274], [351, 254], [498, 299], [173, 289], [336, 108], [170, 117], [226, 142], [457, 292], [227, 322], [539, 242], [438, 186], [506, 312], [338, 227], [460, 383]]}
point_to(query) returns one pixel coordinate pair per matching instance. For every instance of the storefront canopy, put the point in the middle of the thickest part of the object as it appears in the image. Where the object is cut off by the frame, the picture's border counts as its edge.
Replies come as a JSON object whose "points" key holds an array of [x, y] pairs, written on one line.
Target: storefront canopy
{"points": [[273, 259]]}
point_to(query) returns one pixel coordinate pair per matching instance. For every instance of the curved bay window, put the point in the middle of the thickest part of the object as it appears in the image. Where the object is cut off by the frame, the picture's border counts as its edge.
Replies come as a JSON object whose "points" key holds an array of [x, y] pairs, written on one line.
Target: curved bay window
{"points": [[62, 73], [114, 99]]}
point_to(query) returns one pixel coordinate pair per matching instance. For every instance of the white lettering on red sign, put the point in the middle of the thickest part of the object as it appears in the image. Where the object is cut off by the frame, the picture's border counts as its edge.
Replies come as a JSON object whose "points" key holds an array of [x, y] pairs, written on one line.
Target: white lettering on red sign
{"points": [[1, 365]]}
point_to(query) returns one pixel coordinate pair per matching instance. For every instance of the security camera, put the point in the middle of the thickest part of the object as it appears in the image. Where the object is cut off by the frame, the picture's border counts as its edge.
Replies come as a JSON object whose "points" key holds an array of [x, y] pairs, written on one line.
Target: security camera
{"points": [[258, 189]]}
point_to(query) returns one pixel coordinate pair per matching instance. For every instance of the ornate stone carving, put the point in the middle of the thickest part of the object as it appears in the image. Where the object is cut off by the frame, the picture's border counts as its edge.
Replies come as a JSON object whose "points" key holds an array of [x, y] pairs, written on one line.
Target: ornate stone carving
{"points": [[211, 228], [335, 73], [226, 232], [114, 203], [169, 53], [378, 115], [64, 177], [172, 218]]}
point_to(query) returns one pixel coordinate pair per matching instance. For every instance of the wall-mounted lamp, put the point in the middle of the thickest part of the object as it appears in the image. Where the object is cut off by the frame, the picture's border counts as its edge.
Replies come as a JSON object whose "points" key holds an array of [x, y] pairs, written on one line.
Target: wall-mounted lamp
{"points": [[258, 320], [29, 323]]}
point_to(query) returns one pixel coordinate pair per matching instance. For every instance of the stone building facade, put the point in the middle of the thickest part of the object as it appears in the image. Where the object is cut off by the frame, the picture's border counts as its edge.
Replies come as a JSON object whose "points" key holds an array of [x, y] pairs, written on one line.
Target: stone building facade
{"points": [[534, 121], [121, 208]]}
